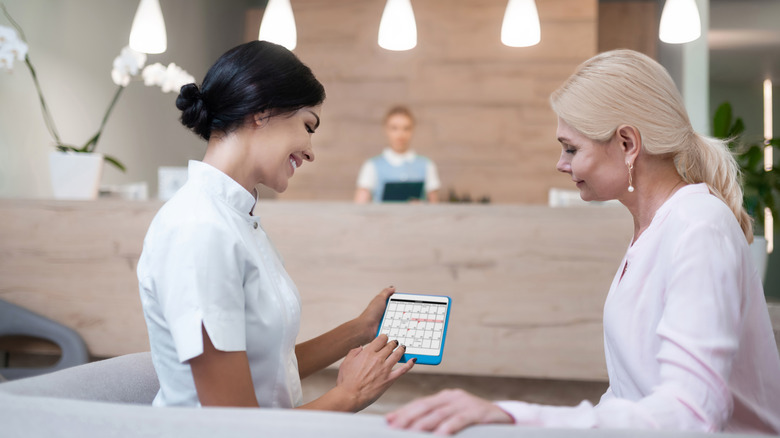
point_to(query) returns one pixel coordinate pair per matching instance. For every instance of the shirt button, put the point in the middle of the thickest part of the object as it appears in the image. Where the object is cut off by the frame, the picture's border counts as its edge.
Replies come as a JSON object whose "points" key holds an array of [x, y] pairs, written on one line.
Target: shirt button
{"points": [[255, 225]]}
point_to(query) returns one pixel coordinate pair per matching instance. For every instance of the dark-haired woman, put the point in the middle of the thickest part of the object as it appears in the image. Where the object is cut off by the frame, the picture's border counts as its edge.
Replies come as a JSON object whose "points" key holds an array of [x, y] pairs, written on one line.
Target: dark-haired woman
{"points": [[222, 313]]}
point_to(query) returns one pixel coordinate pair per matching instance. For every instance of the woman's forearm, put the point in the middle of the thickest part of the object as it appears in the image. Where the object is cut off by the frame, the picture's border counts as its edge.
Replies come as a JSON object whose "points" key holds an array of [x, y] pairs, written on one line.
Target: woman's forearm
{"points": [[337, 399], [322, 351]]}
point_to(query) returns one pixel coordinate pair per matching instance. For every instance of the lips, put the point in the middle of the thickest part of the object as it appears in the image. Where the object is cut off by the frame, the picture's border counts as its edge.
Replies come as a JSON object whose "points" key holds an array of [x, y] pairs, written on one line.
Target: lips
{"points": [[295, 162]]}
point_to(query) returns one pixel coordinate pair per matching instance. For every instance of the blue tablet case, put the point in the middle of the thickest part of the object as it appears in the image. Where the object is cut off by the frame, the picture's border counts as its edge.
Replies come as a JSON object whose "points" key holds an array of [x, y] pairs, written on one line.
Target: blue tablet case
{"points": [[422, 359]]}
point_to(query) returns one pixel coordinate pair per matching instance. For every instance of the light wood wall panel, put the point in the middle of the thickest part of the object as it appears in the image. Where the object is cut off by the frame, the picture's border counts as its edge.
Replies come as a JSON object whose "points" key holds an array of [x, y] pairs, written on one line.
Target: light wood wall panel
{"points": [[527, 282], [482, 107], [630, 24]]}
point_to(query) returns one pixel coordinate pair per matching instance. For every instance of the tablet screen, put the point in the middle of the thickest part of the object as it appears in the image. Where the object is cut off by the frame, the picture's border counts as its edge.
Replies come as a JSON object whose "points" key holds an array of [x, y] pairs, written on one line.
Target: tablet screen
{"points": [[417, 321]]}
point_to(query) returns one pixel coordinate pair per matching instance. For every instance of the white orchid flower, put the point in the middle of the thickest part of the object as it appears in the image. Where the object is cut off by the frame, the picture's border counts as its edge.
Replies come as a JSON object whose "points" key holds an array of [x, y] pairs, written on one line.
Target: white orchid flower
{"points": [[7, 34], [6, 60], [128, 64], [11, 47], [176, 77], [154, 74], [170, 78]]}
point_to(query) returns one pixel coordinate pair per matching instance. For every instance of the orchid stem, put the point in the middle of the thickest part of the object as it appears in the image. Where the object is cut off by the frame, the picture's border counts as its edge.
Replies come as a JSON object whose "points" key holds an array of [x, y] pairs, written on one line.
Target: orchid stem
{"points": [[44, 108], [13, 22], [105, 117]]}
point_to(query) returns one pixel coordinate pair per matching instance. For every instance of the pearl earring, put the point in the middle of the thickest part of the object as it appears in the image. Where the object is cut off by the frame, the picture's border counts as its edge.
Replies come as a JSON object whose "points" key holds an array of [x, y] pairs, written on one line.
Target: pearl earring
{"points": [[630, 180]]}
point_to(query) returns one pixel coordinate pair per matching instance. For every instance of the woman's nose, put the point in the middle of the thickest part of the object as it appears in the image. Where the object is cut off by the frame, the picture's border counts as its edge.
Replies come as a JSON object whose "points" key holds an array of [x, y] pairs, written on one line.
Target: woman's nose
{"points": [[563, 165], [308, 155]]}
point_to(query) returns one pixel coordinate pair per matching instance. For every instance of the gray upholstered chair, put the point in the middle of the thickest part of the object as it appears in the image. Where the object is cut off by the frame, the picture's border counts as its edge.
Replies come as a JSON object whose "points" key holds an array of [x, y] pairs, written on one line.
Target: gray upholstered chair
{"points": [[125, 379], [112, 397], [15, 320]]}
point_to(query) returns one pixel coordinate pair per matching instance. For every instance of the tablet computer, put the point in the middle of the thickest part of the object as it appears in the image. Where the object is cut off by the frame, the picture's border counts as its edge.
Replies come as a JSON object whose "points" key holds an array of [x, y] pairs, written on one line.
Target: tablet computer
{"points": [[403, 191], [420, 323]]}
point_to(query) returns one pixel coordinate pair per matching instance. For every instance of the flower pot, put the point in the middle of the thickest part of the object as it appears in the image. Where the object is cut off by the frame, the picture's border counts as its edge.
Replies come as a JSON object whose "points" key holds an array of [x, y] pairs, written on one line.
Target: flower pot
{"points": [[75, 175], [760, 257]]}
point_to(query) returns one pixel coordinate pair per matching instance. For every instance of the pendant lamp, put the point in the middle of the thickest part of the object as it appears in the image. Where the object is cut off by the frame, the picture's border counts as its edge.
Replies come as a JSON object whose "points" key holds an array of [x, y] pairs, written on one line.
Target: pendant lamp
{"points": [[148, 32], [398, 30], [278, 25], [680, 22], [521, 24]]}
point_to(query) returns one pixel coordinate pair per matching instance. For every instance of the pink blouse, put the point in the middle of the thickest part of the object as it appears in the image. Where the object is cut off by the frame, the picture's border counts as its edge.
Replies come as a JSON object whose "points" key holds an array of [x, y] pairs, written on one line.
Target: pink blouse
{"points": [[688, 340]]}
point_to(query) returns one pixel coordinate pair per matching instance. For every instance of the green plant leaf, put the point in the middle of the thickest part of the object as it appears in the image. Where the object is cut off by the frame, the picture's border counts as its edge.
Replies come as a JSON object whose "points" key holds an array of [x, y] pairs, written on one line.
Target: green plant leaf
{"points": [[67, 148], [89, 146], [737, 129], [115, 162], [721, 122], [754, 159]]}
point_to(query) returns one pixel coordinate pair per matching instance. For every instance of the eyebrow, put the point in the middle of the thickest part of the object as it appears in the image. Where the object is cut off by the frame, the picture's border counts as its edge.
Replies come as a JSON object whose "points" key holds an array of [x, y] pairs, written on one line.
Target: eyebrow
{"points": [[564, 140], [316, 125]]}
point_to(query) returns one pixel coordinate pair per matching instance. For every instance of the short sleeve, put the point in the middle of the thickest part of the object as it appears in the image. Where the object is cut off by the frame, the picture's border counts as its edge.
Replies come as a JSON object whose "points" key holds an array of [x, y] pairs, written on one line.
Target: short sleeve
{"points": [[432, 182], [367, 179], [199, 280]]}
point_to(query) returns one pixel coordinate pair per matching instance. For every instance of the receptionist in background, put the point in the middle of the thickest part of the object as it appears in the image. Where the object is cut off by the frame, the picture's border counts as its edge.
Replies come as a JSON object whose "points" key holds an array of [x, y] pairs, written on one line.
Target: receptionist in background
{"points": [[398, 163]]}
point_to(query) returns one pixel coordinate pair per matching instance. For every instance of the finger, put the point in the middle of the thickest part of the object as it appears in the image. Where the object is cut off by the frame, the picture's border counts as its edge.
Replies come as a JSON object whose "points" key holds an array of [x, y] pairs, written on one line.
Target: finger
{"points": [[387, 292], [454, 424], [387, 350], [396, 355], [405, 415], [354, 352], [432, 420], [403, 369], [378, 343]]}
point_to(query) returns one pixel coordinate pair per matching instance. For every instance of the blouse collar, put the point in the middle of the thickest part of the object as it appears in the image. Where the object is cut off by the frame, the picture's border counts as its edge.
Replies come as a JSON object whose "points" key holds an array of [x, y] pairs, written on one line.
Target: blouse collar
{"points": [[221, 186], [397, 159]]}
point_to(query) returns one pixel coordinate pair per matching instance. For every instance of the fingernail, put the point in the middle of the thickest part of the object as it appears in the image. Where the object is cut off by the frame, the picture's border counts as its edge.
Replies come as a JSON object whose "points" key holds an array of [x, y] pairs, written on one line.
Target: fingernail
{"points": [[391, 286], [403, 346], [396, 342], [414, 360]]}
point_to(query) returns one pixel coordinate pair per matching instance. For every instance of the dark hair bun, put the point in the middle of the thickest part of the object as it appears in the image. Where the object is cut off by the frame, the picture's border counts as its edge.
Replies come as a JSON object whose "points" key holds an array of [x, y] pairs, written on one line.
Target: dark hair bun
{"points": [[194, 114]]}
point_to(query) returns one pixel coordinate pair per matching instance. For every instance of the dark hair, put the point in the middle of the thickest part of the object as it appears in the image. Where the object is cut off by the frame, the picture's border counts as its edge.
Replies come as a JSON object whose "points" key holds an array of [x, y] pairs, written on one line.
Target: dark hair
{"points": [[399, 110], [248, 79]]}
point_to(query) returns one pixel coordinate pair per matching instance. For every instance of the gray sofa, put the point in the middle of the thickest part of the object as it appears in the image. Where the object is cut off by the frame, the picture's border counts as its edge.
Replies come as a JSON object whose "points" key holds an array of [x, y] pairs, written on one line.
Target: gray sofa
{"points": [[112, 398]]}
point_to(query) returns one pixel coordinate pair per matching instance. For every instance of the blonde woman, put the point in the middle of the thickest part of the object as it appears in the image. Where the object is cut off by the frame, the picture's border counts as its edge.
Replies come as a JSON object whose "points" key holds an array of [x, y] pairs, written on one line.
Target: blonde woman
{"points": [[687, 336]]}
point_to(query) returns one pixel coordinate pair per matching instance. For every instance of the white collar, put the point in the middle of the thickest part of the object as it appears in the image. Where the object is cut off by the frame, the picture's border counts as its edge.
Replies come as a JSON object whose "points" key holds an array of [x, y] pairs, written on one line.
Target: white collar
{"points": [[396, 159], [221, 186]]}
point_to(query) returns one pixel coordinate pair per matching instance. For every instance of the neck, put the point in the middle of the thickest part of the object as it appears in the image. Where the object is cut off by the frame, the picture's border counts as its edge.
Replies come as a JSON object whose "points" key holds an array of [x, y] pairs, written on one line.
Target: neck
{"points": [[654, 183], [229, 154], [400, 151]]}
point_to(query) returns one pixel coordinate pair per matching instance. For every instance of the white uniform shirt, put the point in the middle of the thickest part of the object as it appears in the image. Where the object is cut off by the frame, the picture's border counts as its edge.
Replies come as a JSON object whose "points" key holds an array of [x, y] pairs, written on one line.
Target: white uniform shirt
{"points": [[367, 178], [688, 340], [206, 261]]}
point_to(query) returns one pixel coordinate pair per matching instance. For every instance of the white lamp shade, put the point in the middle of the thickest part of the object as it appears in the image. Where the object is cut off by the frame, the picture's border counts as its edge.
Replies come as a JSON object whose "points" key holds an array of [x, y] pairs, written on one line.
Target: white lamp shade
{"points": [[398, 30], [521, 24], [278, 25], [680, 22], [148, 32]]}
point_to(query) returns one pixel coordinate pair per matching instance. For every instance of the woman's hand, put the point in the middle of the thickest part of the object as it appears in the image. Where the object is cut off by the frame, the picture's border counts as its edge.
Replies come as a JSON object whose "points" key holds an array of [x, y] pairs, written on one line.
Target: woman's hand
{"points": [[446, 413], [367, 372], [371, 317]]}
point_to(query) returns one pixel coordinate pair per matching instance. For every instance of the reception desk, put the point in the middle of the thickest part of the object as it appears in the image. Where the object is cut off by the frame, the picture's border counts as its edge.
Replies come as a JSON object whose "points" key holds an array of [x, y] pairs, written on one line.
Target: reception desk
{"points": [[527, 282]]}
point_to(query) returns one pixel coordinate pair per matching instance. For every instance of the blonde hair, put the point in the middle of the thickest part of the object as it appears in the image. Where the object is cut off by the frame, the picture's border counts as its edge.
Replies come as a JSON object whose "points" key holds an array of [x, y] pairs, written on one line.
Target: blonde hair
{"points": [[399, 110], [624, 87]]}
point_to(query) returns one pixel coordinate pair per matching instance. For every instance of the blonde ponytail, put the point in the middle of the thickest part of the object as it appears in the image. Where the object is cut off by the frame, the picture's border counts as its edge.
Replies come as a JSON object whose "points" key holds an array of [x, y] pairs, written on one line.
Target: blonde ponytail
{"points": [[626, 87], [708, 160]]}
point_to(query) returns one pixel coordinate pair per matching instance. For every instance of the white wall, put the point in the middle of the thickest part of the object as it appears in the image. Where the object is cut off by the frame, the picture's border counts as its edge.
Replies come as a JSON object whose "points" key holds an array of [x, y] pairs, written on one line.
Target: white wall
{"points": [[72, 45]]}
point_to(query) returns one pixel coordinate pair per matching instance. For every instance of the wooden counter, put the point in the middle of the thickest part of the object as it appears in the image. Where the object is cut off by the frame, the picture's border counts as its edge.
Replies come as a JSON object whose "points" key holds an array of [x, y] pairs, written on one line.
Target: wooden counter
{"points": [[528, 282]]}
